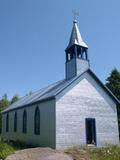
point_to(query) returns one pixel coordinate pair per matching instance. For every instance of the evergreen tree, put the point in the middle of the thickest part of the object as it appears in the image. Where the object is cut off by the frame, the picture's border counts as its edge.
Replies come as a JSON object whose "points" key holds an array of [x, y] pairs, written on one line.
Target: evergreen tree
{"points": [[113, 83], [14, 99], [4, 102]]}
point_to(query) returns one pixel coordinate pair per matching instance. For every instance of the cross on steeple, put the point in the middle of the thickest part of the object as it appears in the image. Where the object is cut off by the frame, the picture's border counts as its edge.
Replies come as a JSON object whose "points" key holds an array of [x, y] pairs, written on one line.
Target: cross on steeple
{"points": [[75, 14]]}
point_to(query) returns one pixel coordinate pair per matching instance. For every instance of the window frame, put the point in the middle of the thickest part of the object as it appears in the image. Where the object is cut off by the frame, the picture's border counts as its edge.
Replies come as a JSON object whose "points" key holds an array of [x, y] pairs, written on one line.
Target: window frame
{"points": [[15, 121], [24, 122], [37, 121], [7, 122]]}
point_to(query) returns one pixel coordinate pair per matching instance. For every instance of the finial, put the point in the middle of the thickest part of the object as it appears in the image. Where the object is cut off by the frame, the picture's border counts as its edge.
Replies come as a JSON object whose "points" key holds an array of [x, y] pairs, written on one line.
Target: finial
{"points": [[75, 14]]}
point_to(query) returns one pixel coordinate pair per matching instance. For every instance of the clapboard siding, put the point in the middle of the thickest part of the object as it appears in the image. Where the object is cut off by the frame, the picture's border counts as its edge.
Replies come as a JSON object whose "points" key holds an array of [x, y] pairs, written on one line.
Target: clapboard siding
{"points": [[47, 125], [63, 118], [85, 100]]}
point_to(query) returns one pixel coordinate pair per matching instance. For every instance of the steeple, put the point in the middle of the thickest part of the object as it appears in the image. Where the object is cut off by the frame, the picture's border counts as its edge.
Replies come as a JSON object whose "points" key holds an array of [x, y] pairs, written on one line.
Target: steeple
{"points": [[76, 38], [76, 54]]}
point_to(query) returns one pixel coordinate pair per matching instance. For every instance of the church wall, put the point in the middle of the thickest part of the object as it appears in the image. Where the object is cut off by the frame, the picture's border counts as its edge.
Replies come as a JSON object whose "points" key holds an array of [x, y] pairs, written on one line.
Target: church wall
{"points": [[47, 125], [85, 99]]}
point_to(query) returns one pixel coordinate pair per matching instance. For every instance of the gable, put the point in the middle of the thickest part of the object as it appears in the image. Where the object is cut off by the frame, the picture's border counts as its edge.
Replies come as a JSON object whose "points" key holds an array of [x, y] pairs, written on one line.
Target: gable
{"points": [[85, 98], [87, 86]]}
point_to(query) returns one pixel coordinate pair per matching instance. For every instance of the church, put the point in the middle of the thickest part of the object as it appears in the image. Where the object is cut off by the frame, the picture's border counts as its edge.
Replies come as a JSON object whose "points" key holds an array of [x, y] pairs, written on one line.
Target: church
{"points": [[78, 110]]}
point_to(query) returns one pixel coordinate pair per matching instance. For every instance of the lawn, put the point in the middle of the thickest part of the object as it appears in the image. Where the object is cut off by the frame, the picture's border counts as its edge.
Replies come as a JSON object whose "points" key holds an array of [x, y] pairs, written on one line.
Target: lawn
{"points": [[5, 150], [9, 148], [110, 152]]}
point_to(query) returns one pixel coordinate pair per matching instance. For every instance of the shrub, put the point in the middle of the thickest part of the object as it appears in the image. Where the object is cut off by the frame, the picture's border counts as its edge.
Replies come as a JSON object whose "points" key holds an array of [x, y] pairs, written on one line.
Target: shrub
{"points": [[5, 150]]}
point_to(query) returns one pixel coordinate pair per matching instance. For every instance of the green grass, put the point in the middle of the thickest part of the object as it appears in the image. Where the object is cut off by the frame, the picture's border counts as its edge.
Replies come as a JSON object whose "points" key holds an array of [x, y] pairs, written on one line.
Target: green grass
{"points": [[110, 152], [7, 149]]}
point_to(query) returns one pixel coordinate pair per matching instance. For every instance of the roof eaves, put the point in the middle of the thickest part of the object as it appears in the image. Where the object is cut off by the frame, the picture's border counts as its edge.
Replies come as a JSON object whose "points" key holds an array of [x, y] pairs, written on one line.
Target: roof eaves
{"points": [[106, 89], [27, 105]]}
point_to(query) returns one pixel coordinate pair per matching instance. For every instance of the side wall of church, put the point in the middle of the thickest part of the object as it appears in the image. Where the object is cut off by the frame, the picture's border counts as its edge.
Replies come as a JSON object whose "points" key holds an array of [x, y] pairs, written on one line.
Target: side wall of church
{"points": [[47, 125], [85, 99]]}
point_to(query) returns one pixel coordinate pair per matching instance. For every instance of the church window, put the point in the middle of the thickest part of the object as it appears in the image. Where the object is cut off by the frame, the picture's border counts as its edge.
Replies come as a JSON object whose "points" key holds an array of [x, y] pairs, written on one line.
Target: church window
{"points": [[37, 121], [24, 121], [69, 57], [15, 122], [7, 122]]}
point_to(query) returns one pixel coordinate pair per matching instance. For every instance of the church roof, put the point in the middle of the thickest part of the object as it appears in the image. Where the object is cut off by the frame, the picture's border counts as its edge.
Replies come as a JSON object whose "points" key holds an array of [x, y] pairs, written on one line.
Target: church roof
{"points": [[76, 37], [52, 90], [40, 95]]}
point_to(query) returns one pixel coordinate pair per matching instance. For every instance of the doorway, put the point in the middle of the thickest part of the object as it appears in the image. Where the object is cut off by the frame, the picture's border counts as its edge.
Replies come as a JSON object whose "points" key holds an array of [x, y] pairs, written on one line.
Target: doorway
{"points": [[90, 131]]}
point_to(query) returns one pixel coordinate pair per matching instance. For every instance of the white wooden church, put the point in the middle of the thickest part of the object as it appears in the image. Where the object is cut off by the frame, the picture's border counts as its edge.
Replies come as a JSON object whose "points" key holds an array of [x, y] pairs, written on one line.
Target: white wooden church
{"points": [[78, 110]]}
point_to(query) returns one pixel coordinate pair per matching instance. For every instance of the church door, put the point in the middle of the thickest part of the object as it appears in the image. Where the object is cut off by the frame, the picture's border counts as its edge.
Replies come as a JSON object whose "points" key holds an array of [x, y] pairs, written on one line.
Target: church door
{"points": [[90, 131]]}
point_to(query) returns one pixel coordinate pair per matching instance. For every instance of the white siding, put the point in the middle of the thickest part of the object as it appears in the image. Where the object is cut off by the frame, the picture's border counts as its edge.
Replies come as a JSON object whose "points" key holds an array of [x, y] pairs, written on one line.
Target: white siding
{"points": [[47, 128], [85, 100]]}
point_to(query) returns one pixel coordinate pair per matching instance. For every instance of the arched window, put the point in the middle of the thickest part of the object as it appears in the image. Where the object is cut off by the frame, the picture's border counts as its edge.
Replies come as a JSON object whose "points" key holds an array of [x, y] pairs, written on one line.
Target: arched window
{"points": [[24, 121], [15, 122], [7, 122], [37, 121]]}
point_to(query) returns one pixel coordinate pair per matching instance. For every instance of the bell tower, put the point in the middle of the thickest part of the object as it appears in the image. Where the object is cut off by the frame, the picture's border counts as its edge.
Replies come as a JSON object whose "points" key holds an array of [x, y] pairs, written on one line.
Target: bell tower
{"points": [[76, 54]]}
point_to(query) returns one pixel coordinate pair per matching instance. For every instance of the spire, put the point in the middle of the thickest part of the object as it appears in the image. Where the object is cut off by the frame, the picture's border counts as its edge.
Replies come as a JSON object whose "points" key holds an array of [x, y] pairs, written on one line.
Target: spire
{"points": [[76, 38], [76, 54]]}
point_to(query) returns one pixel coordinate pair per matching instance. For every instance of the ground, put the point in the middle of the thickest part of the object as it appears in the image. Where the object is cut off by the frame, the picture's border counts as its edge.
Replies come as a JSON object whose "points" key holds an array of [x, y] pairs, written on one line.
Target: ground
{"points": [[75, 153], [39, 154]]}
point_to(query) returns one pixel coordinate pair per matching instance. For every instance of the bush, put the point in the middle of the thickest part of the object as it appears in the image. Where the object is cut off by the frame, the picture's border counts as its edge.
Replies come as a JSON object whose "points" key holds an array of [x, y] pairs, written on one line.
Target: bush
{"points": [[17, 145], [5, 150], [9, 148]]}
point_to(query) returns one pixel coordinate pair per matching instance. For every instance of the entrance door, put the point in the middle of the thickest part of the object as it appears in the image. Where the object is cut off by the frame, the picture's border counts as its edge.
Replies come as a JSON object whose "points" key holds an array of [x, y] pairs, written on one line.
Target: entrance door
{"points": [[90, 131]]}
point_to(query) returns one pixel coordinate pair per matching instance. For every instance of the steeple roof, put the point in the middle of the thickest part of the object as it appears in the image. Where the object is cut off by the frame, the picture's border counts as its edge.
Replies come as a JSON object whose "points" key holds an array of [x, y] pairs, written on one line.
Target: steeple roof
{"points": [[76, 37]]}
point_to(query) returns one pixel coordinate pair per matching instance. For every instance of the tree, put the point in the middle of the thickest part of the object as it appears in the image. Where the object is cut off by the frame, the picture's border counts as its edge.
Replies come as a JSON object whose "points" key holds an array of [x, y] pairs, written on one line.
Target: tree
{"points": [[14, 99], [4, 102], [113, 83]]}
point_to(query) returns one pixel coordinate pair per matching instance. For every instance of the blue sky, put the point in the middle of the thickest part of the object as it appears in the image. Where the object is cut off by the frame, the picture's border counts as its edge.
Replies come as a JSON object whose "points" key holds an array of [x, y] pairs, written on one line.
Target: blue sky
{"points": [[35, 33]]}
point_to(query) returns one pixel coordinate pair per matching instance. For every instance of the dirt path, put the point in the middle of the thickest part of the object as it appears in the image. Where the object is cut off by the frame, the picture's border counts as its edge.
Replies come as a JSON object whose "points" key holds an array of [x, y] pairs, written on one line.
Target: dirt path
{"points": [[39, 154]]}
